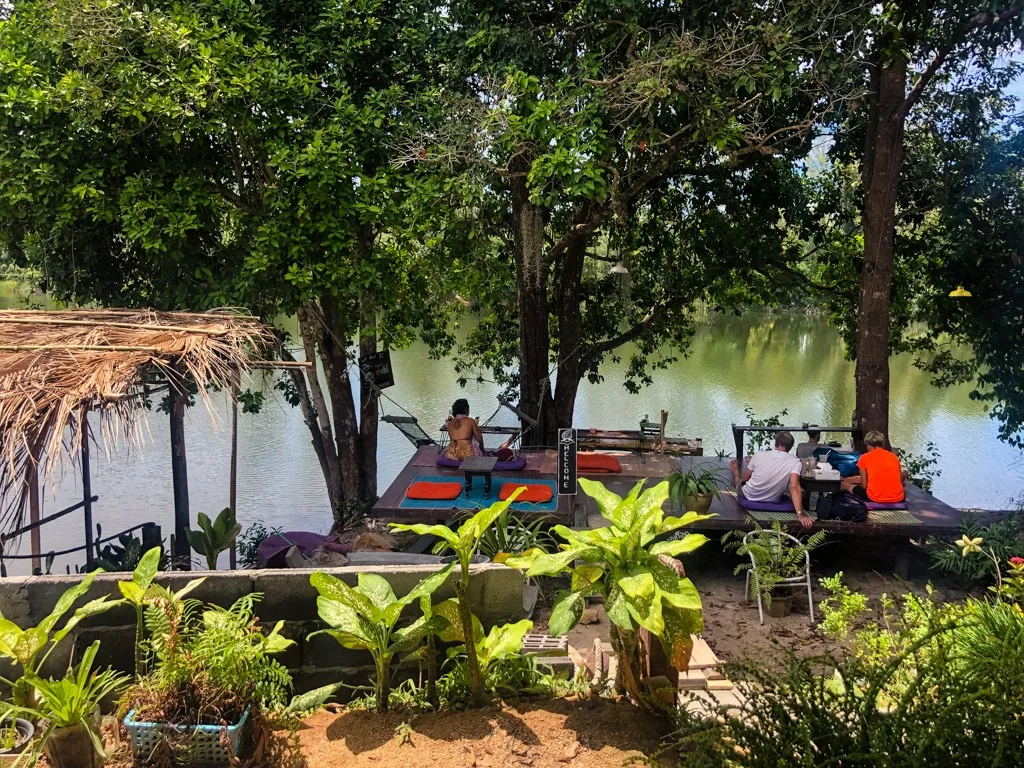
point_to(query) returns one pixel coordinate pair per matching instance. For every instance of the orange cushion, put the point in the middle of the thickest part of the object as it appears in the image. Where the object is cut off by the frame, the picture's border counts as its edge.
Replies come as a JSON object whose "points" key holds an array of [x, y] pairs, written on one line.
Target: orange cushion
{"points": [[424, 489], [597, 462], [536, 493]]}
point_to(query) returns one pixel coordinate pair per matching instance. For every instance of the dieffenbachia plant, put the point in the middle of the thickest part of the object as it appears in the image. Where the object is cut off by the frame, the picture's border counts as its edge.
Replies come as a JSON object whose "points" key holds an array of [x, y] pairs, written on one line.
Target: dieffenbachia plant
{"points": [[630, 564]]}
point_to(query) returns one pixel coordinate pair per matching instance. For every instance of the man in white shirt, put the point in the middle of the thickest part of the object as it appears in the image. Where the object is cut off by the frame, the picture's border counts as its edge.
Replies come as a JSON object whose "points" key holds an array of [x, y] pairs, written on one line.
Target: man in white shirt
{"points": [[769, 474]]}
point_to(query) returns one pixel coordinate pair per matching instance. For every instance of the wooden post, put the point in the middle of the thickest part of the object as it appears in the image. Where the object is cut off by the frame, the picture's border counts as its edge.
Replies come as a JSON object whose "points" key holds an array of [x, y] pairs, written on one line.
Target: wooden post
{"points": [[32, 478], [233, 473], [90, 555], [179, 477]]}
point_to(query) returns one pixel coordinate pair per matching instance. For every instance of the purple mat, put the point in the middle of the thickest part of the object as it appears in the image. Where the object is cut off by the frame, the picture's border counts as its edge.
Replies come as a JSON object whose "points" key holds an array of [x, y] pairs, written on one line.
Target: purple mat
{"points": [[765, 506], [880, 506], [273, 549], [502, 466]]}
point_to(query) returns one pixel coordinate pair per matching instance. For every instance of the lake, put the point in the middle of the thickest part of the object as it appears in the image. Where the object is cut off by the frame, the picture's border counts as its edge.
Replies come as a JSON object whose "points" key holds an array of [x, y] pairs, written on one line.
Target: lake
{"points": [[771, 362]]}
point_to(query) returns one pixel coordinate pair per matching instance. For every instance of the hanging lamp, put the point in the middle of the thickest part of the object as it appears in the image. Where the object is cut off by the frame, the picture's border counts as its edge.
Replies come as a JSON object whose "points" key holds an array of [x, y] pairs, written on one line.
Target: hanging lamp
{"points": [[960, 293], [618, 269]]}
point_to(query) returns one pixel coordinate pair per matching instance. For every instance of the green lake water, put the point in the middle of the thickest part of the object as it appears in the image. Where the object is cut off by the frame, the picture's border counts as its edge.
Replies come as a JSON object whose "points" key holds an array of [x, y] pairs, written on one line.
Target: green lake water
{"points": [[771, 362]]}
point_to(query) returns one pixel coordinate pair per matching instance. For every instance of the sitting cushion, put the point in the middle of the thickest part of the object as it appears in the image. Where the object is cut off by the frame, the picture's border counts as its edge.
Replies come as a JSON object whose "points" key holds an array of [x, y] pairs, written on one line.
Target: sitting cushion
{"points": [[891, 505], [444, 461], [765, 506], [597, 463], [535, 493], [513, 465], [424, 489]]}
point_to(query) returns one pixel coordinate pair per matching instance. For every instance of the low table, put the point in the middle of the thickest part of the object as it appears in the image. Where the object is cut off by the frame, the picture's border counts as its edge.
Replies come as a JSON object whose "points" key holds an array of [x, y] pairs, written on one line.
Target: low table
{"points": [[479, 465]]}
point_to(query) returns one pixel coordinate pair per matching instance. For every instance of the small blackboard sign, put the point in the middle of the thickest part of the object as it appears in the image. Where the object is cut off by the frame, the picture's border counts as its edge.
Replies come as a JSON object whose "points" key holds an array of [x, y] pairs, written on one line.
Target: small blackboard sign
{"points": [[377, 368], [567, 462]]}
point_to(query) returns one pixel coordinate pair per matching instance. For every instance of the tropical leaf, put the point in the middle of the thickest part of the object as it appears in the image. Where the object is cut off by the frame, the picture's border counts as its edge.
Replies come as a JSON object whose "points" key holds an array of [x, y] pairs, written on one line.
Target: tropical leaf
{"points": [[146, 570], [65, 601], [566, 612], [449, 609], [336, 589], [440, 531], [638, 582], [586, 576], [471, 530], [607, 501], [503, 641], [311, 701], [410, 636], [689, 543], [377, 589]]}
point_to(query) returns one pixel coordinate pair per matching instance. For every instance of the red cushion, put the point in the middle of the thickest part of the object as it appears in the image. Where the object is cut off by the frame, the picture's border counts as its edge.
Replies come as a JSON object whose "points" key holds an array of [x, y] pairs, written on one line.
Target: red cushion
{"points": [[424, 489], [536, 493], [597, 462]]}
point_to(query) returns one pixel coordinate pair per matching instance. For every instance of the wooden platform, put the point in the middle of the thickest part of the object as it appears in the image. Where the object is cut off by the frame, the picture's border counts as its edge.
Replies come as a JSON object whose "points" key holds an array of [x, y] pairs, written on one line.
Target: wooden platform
{"points": [[933, 515]]}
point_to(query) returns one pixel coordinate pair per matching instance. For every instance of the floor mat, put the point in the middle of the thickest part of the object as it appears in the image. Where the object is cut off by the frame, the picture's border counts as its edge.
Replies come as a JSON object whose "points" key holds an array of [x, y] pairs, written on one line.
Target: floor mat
{"points": [[875, 516]]}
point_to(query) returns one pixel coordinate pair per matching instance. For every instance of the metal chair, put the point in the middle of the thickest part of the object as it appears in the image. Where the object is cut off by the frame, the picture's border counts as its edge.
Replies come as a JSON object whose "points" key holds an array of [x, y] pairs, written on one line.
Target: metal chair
{"points": [[803, 579]]}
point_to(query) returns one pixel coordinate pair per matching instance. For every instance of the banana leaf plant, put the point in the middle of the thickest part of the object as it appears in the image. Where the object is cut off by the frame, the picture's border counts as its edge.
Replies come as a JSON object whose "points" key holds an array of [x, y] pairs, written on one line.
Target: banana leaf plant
{"points": [[634, 570], [215, 537], [25, 647], [465, 542], [364, 617]]}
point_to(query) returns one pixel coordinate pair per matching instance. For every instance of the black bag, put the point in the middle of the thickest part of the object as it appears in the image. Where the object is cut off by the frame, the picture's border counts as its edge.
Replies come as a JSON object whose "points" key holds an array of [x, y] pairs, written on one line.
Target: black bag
{"points": [[842, 505]]}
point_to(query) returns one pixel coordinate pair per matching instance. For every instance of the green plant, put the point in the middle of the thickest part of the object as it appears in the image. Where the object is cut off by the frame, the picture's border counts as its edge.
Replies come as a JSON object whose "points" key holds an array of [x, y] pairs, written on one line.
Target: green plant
{"points": [[506, 671], [841, 607], [25, 647], [403, 733], [248, 544], [364, 618], [921, 466], [976, 566], [512, 534], [687, 484], [141, 591], [213, 538], [71, 700], [464, 543], [762, 441], [210, 663], [777, 557], [633, 570]]}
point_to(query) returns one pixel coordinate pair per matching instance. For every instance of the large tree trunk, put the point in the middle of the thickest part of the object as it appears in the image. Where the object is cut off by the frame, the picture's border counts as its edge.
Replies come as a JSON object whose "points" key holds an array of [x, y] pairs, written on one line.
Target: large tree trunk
{"points": [[535, 396], [570, 332], [883, 158], [369, 415]]}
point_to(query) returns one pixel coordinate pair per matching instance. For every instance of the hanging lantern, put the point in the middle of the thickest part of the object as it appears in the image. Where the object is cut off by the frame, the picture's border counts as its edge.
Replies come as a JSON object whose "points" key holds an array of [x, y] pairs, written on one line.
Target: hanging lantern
{"points": [[960, 293], [618, 269]]}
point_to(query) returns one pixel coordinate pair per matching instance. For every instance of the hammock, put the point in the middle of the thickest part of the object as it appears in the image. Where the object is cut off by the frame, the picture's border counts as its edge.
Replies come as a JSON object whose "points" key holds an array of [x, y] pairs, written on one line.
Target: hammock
{"points": [[410, 427]]}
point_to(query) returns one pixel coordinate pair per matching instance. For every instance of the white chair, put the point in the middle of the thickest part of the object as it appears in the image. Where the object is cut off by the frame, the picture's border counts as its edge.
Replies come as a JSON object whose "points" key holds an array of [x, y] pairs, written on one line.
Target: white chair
{"points": [[805, 578]]}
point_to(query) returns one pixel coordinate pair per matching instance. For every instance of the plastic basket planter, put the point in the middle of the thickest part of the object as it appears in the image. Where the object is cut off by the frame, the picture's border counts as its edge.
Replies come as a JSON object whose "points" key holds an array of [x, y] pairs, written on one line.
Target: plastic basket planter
{"points": [[193, 744]]}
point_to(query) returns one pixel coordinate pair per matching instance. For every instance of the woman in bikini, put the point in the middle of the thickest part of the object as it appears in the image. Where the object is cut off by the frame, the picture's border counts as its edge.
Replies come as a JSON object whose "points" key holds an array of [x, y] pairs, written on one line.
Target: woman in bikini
{"points": [[462, 431]]}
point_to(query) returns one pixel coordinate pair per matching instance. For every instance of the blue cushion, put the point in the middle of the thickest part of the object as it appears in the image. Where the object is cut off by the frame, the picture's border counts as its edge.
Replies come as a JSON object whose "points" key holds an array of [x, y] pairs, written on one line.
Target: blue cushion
{"points": [[765, 506], [879, 505]]}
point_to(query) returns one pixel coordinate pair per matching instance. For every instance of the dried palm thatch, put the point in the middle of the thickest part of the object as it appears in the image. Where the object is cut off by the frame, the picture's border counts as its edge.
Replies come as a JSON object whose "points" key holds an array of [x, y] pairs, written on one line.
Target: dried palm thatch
{"points": [[57, 366]]}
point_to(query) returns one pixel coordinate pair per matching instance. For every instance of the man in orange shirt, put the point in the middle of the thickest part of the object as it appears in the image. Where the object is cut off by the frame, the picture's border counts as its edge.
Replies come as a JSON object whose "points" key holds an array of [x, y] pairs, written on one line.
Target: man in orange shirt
{"points": [[881, 476]]}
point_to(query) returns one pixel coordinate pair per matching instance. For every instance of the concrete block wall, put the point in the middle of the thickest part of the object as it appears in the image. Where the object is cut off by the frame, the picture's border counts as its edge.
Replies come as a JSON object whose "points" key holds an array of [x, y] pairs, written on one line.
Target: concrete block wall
{"points": [[496, 596]]}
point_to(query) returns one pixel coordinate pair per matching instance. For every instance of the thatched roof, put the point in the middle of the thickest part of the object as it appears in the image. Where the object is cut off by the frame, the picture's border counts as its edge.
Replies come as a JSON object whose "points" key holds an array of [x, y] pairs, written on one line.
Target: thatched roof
{"points": [[57, 365]]}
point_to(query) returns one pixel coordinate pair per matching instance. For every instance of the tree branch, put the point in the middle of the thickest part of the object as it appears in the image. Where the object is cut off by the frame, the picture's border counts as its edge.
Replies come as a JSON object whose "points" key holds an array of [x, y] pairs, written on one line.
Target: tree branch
{"points": [[607, 345]]}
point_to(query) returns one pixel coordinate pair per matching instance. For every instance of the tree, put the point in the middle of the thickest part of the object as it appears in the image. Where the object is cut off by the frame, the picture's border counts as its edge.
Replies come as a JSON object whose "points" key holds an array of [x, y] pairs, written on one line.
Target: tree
{"points": [[660, 136], [217, 152], [911, 43]]}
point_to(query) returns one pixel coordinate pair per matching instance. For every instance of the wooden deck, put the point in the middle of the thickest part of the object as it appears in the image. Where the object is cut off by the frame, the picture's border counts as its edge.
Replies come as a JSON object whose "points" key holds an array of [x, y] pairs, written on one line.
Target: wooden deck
{"points": [[935, 516]]}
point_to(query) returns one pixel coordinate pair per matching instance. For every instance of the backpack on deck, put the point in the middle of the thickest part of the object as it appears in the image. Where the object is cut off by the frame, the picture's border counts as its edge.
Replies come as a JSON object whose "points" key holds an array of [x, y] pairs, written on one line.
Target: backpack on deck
{"points": [[842, 505]]}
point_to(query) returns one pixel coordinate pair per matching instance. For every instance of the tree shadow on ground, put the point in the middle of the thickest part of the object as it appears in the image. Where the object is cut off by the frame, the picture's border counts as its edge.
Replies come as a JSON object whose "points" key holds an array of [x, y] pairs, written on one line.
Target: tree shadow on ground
{"points": [[473, 724], [363, 730], [598, 723]]}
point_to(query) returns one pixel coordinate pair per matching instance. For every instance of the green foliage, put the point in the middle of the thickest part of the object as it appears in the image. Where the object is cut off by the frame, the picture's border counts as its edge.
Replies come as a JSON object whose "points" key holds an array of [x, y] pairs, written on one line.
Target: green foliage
{"points": [[125, 555], [694, 482], [211, 663], [841, 607], [1002, 537], [71, 700], [776, 556], [921, 466], [762, 441], [625, 562], [514, 534], [249, 541], [465, 542], [365, 617], [213, 538], [25, 647]]}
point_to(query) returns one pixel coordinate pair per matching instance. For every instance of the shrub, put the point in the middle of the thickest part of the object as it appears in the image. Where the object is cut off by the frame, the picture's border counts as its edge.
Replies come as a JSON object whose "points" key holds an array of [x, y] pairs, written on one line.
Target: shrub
{"points": [[974, 567]]}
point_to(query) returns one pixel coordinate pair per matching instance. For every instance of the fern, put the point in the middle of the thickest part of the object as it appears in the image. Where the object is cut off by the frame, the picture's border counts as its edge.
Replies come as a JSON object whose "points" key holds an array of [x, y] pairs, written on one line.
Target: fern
{"points": [[777, 557]]}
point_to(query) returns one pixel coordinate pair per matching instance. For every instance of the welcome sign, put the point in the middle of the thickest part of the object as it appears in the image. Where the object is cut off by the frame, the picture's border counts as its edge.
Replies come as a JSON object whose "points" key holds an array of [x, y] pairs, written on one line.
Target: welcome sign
{"points": [[567, 462]]}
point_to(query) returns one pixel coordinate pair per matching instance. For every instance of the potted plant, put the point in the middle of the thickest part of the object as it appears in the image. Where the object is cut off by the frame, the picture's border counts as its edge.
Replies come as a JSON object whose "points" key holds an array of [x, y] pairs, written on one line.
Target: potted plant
{"points": [[70, 709], [15, 734], [695, 489], [775, 558], [212, 666]]}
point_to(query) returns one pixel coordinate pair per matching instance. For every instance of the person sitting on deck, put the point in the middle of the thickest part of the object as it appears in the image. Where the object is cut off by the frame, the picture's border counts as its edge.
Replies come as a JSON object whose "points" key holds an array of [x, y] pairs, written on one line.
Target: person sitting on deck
{"points": [[881, 476], [806, 450], [770, 473], [463, 431]]}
